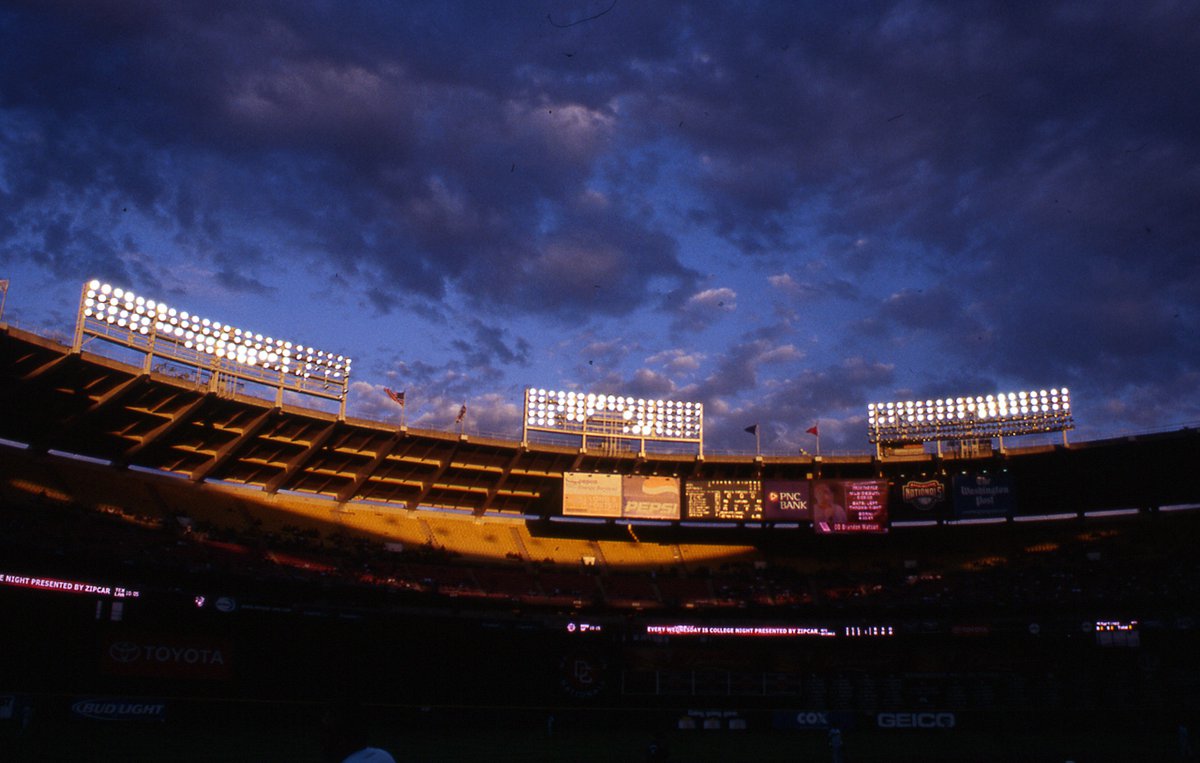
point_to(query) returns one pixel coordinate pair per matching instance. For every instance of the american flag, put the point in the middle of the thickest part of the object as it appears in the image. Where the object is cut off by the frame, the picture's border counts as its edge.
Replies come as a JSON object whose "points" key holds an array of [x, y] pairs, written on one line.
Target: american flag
{"points": [[397, 397]]}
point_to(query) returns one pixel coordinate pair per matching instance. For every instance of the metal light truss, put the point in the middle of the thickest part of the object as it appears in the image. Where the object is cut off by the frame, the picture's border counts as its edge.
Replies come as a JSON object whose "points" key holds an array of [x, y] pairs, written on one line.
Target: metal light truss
{"points": [[966, 418], [613, 417], [216, 351]]}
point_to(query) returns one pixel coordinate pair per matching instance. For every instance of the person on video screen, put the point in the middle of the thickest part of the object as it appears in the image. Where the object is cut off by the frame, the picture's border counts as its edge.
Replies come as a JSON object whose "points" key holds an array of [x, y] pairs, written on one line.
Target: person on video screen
{"points": [[827, 512]]}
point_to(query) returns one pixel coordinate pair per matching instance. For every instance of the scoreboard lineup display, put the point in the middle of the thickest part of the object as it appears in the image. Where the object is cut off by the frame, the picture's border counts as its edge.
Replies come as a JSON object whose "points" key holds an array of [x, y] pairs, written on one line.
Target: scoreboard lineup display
{"points": [[833, 506], [738, 500]]}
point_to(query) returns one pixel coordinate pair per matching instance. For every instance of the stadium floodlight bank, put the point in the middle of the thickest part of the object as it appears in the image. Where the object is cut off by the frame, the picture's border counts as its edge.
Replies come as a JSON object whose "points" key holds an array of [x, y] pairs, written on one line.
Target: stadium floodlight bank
{"points": [[219, 353], [970, 418], [613, 418]]}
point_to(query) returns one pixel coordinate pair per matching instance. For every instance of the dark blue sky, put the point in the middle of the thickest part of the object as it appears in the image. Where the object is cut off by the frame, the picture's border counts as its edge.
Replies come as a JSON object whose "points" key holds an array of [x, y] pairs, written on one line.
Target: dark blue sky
{"points": [[782, 210]]}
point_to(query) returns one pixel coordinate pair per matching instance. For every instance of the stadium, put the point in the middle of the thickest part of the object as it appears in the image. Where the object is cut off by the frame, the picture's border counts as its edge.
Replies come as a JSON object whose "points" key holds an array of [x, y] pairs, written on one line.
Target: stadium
{"points": [[201, 553]]}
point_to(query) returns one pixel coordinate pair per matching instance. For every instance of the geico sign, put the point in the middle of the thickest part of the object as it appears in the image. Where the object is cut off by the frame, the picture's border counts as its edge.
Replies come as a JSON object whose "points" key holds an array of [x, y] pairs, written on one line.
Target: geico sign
{"points": [[915, 720], [125, 651]]}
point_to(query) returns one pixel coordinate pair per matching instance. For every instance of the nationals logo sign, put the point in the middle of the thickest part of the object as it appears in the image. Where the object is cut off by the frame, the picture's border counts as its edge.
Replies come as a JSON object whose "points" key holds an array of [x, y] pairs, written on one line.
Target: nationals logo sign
{"points": [[923, 495]]}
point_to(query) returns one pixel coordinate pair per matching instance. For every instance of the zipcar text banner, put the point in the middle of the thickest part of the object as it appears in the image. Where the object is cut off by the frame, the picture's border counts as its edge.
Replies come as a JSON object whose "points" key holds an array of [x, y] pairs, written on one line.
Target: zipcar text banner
{"points": [[591, 495], [649, 497], [849, 506]]}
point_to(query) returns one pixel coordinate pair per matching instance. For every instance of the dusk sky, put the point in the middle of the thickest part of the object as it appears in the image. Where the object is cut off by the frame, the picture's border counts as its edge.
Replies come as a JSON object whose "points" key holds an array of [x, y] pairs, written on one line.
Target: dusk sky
{"points": [[781, 210]]}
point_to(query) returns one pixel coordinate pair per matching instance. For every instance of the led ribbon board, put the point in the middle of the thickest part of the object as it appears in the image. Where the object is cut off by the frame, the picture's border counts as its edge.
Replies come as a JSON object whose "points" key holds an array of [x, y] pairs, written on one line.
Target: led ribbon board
{"points": [[613, 416], [118, 315], [962, 418]]}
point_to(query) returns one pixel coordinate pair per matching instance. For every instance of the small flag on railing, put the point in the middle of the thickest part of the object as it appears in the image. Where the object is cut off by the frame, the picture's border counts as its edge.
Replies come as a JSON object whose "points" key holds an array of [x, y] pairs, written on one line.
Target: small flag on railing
{"points": [[462, 413]]}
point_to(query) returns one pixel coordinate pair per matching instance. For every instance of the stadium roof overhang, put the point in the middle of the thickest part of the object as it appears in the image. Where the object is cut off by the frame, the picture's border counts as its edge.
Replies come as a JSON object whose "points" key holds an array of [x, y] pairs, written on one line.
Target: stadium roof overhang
{"points": [[103, 408]]}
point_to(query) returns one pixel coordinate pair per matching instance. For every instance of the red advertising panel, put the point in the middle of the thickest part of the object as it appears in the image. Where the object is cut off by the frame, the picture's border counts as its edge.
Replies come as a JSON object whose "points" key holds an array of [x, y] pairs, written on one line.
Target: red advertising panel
{"points": [[66, 586], [650, 497], [849, 506], [591, 495], [787, 500], [724, 499]]}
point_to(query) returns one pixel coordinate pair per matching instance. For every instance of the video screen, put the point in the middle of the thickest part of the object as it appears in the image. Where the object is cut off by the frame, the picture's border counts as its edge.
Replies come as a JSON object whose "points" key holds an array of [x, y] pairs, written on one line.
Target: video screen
{"points": [[849, 506]]}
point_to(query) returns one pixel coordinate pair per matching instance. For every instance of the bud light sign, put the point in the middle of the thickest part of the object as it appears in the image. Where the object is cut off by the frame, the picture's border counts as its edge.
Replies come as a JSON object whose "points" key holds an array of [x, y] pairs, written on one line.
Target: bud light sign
{"points": [[114, 709]]}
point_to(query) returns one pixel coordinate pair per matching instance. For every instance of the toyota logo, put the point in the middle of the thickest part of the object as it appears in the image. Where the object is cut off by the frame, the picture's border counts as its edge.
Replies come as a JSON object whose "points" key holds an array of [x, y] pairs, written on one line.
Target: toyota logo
{"points": [[124, 651]]}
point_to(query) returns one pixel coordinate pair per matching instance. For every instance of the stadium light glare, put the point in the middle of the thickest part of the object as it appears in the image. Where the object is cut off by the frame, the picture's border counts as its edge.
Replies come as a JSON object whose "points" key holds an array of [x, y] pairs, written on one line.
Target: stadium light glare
{"points": [[591, 414], [125, 317], [960, 418]]}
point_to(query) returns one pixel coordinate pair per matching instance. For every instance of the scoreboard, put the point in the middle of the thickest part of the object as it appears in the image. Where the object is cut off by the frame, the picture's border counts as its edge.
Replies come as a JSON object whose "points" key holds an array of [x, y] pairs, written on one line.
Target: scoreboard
{"points": [[737, 500], [832, 506]]}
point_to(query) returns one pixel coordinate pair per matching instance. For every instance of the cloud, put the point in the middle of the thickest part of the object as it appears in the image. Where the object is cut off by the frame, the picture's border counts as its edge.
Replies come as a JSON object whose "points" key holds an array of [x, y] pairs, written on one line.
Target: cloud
{"points": [[835, 396], [488, 346], [677, 361], [737, 370], [704, 308], [949, 194]]}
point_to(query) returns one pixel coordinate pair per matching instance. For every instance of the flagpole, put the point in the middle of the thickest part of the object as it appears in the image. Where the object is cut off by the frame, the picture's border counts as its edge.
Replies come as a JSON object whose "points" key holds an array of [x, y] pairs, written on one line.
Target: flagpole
{"points": [[399, 399]]}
